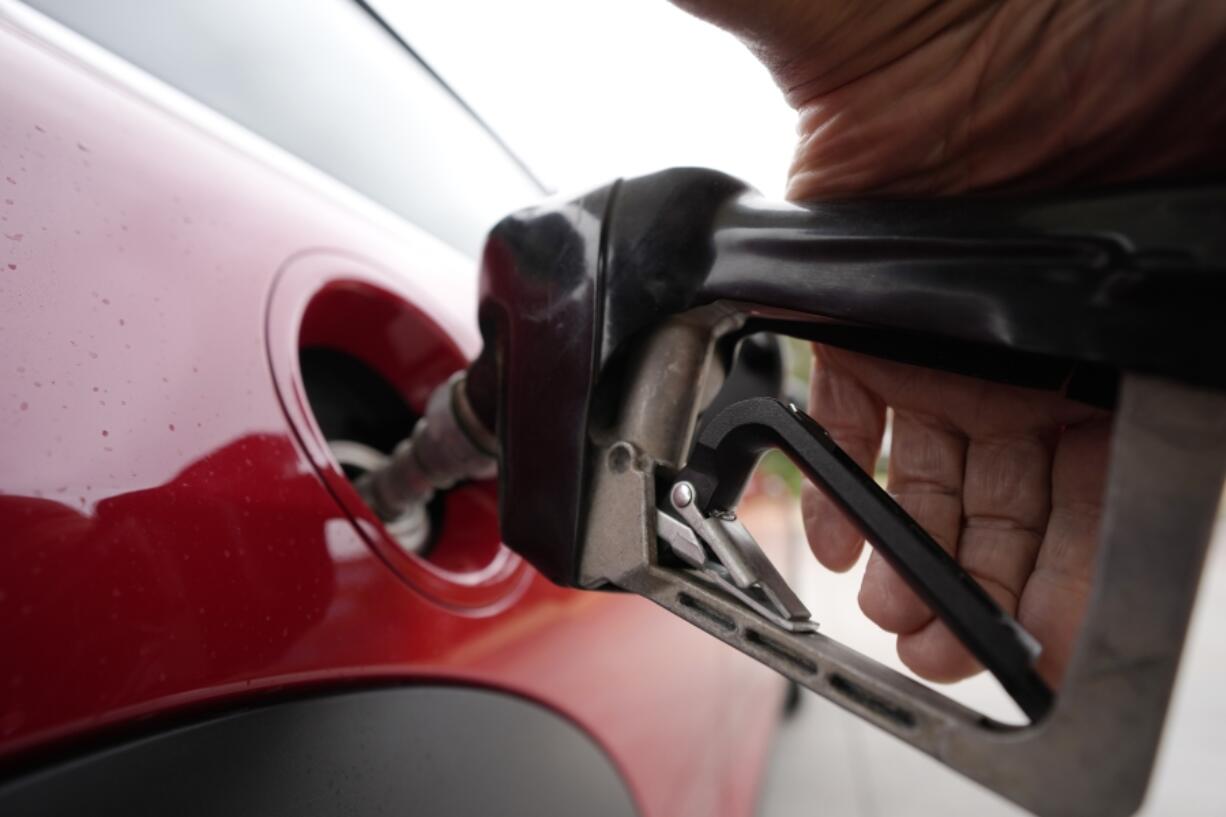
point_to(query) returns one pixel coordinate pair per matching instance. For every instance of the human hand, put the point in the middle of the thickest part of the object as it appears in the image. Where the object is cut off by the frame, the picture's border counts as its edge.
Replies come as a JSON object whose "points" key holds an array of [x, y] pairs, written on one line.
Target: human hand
{"points": [[931, 97], [910, 97], [1008, 480]]}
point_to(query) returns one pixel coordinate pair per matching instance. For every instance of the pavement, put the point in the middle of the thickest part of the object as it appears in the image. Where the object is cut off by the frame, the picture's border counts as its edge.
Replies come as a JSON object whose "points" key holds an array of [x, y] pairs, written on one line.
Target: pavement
{"points": [[826, 762]]}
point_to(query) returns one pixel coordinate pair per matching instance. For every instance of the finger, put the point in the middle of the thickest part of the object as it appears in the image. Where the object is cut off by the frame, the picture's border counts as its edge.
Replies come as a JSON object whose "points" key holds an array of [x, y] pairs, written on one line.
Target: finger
{"points": [[855, 418], [926, 465], [1005, 502], [1054, 598], [935, 653]]}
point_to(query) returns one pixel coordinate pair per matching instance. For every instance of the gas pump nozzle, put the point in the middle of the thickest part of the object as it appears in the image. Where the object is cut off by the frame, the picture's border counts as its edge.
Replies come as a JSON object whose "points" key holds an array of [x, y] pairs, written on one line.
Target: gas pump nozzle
{"points": [[608, 318]]}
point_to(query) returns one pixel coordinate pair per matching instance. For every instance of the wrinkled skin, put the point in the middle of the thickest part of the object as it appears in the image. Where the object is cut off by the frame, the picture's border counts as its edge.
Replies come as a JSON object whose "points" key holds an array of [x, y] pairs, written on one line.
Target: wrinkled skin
{"points": [[907, 97]]}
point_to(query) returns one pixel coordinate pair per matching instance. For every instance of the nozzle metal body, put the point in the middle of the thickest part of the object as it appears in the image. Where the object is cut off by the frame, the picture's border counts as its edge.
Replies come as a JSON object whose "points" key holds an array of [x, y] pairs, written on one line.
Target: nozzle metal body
{"points": [[448, 445]]}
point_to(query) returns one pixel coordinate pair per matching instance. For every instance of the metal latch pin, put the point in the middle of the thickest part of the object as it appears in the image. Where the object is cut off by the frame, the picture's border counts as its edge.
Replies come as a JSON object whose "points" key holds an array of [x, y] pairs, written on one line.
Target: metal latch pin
{"points": [[722, 548]]}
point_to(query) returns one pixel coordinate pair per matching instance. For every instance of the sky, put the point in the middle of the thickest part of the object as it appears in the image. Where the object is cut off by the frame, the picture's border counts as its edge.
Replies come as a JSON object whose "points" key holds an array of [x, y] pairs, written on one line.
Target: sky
{"points": [[586, 92]]}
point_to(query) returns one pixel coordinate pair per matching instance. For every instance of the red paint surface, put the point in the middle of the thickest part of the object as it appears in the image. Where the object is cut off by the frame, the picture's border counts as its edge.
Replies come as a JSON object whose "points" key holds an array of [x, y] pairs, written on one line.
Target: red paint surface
{"points": [[171, 533]]}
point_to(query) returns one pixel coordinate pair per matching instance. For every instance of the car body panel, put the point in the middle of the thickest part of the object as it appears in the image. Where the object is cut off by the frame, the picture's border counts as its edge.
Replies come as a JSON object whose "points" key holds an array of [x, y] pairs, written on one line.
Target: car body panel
{"points": [[170, 546]]}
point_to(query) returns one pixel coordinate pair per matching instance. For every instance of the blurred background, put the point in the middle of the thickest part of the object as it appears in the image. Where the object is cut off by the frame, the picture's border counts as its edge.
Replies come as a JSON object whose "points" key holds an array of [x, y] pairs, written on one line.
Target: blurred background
{"points": [[585, 92]]}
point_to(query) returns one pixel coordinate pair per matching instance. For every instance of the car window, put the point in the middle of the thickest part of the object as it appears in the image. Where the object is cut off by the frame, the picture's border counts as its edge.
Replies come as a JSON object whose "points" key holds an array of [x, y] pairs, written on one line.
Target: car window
{"points": [[322, 79]]}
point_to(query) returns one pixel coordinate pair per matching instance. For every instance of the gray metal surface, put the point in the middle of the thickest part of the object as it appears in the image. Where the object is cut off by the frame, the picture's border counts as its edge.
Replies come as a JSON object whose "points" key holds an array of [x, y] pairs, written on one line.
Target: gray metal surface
{"points": [[1093, 754], [411, 529], [684, 344], [735, 561], [448, 445]]}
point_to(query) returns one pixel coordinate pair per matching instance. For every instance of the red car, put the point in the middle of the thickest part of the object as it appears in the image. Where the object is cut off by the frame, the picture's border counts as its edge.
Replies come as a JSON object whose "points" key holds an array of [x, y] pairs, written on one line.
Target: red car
{"points": [[236, 246]]}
